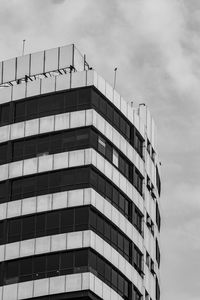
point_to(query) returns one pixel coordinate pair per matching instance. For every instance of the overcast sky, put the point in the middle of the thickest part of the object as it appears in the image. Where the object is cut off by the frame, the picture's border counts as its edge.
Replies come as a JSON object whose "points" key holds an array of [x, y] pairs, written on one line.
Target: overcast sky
{"points": [[156, 46]]}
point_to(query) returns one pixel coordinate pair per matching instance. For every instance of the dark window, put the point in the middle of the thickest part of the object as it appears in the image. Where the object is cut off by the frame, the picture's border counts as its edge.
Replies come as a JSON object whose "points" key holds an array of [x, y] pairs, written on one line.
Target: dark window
{"points": [[5, 114], [12, 272], [67, 220], [81, 218], [14, 230], [52, 265], [39, 266], [3, 153], [32, 108], [40, 225], [28, 227], [52, 222], [81, 258], [26, 269], [20, 111], [66, 261]]}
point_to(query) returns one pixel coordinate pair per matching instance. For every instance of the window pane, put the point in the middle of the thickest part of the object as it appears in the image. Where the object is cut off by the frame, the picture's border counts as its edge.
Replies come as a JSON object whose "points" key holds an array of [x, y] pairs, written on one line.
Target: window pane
{"points": [[32, 108], [81, 218], [81, 258], [52, 264], [3, 153], [26, 269], [5, 114], [14, 230], [101, 145], [52, 223], [40, 225], [19, 111], [29, 187], [18, 150], [43, 145], [39, 265], [67, 220], [115, 158], [3, 192], [12, 272], [114, 278], [28, 227], [66, 261]]}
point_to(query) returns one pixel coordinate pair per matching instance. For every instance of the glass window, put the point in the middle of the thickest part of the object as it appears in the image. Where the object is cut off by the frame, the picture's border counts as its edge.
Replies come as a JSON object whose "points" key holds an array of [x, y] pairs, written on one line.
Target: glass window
{"points": [[93, 219], [42, 183], [101, 185], [26, 269], [116, 119], [44, 106], [2, 240], [108, 273], [114, 236], [107, 232], [12, 271], [81, 218], [121, 202], [32, 108], [53, 264], [66, 261], [84, 97], [100, 225], [108, 190], [121, 242], [101, 145], [18, 150], [115, 158], [81, 258], [29, 187], [92, 260], [3, 153], [39, 265], [3, 192], [20, 111], [40, 225], [115, 197], [14, 230], [28, 227], [67, 220], [103, 106], [43, 145], [17, 189], [52, 222], [5, 114], [109, 152], [114, 278], [100, 266], [110, 112]]}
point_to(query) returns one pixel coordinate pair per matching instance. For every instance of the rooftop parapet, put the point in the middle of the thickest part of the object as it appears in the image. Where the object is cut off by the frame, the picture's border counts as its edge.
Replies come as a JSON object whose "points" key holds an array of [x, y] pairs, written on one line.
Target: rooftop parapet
{"points": [[46, 63]]}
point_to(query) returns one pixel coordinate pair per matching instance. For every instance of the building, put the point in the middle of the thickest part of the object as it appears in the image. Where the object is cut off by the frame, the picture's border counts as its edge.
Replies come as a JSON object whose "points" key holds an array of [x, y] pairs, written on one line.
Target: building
{"points": [[79, 184]]}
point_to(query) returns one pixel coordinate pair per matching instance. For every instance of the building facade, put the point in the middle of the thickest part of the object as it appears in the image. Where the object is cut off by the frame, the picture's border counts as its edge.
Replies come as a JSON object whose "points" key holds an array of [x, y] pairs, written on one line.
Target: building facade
{"points": [[79, 184]]}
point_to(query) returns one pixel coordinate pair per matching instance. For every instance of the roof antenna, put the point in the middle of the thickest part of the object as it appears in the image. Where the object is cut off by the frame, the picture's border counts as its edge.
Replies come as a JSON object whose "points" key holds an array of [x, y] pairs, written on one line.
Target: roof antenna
{"points": [[115, 76], [23, 47]]}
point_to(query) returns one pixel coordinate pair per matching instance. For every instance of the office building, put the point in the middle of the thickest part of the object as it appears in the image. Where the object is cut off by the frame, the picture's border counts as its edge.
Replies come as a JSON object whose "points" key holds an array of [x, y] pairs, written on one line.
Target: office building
{"points": [[79, 184]]}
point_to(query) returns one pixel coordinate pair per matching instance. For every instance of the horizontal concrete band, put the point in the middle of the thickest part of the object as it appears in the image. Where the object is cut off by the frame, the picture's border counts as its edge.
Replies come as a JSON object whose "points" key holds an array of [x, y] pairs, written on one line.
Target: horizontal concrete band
{"points": [[68, 160], [57, 285], [72, 120], [69, 241], [69, 199], [70, 81]]}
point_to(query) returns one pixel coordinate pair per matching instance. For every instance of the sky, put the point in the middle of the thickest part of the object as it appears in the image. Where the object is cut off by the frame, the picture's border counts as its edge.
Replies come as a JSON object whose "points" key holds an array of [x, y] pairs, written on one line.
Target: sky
{"points": [[156, 46]]}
